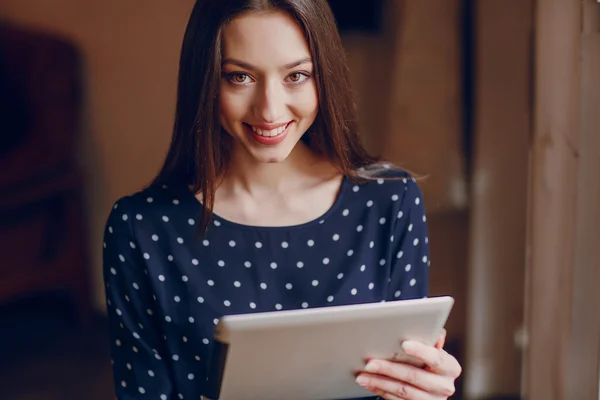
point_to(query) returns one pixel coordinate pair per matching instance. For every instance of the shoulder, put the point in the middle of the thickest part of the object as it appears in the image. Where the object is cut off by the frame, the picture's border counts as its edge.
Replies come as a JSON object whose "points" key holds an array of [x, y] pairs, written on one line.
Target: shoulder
{"points": [[386, 184]]}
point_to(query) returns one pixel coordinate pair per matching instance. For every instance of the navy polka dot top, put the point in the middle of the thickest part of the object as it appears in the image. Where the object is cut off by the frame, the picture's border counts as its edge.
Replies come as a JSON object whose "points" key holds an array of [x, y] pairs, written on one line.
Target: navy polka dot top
{"points": [[166, 287]]}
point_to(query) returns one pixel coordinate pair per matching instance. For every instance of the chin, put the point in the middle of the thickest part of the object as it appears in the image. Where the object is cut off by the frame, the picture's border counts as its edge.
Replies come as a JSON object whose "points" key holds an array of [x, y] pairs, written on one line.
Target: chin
{"points": [[270, 157]]}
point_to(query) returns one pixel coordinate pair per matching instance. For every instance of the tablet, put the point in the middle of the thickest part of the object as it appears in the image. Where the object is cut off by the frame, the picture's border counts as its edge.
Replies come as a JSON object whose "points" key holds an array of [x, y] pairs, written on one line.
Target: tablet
{"points": [[316, 353]]}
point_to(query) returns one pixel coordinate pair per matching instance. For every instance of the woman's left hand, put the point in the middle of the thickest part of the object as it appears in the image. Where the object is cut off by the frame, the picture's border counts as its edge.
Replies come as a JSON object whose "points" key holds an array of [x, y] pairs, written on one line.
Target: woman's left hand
{"points": [[399, 381]]}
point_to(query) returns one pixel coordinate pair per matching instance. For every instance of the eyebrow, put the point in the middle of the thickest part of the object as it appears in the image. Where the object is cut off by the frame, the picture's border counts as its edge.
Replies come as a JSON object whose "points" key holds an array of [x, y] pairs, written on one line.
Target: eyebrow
{"points": [[250, 67]]}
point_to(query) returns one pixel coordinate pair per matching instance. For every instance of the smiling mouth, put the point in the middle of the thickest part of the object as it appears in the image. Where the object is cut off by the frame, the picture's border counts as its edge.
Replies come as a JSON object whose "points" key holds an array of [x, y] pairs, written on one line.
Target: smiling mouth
{"points": [[269, 132]]}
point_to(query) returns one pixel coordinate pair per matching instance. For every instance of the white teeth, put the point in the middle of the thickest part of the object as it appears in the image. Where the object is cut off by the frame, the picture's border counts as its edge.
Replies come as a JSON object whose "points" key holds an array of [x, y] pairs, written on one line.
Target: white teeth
{"points": [[271, 133]]}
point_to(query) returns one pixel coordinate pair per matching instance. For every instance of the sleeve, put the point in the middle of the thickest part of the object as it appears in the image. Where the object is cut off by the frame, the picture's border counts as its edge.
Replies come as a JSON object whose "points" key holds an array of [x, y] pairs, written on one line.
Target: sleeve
{"points": [[136, 348], [409, 274]]}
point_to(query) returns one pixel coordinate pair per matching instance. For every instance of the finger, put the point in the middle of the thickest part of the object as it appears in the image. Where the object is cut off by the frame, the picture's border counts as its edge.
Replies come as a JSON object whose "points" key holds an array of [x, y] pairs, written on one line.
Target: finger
{"points": [[417, 377], [441, 340], [391, 389], [438, 360]]}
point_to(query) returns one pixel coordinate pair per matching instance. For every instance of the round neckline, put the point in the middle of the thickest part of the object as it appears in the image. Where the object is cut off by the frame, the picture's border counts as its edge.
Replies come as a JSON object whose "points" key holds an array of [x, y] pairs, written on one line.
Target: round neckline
{"points": [[218, 221]]}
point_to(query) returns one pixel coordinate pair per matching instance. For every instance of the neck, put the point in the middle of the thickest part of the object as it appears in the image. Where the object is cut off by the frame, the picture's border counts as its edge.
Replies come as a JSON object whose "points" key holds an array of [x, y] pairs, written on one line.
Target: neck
{"points": [[248, 175]]}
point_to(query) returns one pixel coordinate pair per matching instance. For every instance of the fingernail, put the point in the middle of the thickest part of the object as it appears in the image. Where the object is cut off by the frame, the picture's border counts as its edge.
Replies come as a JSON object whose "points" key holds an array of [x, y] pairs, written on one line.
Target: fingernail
{"points": [[362, 380], [408, 345], [372, 366]]}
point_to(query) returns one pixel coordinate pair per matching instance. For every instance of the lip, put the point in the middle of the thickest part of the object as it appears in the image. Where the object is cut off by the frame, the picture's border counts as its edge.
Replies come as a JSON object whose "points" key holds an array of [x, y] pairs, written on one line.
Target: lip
{"points": [[269, 127], [272, 140]]}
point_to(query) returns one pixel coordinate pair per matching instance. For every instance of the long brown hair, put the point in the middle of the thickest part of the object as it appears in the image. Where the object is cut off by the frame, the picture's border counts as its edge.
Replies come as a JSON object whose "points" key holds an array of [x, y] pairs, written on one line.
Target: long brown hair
{"points": [[199, 151]]}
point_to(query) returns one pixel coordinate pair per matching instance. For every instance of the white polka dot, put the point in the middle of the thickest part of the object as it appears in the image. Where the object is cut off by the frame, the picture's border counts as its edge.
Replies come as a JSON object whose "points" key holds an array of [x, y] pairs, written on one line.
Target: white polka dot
{"points": [[353, 292], [200, 299], [157, 356], [355, 189], [146, 256], [104, 244], [311, 243], [350, 252], [326, 261], [113, 271], [340, 275], [150, 372], [321, 221], [170, 258], [417, 201], [329, 299], [191, 377], [175, 357], [215, 321], [400, 254], [128, 366], [205, 242], [247, 264], [221, 263], [139, 217], [177, 299], [149, 312], [142, 390], [400, 214], [288, 286], [263, 286], [407, 268], [123, 383], [410, 227], [252, 305], [132, 245], [237, 284], [382, 221], [397, 294], [305, 305], [135, 335], [315, 282], [382, 262], [362, 268], [168, 319], [371, 244], [125, 217], [161, 278], [217, 223], [336, 237], [121, 258], [392, 238], [415, 242], [359, 228], [135, 286], [163, 397], [205, 341], [110, 229], [180, 396], [210, 282], [395, 197], [197, 358], [135, 349], [179, 240], [176, 202], [126, 298], [345, 212], [426, 239], [273, 265], [284, 245], [413, 282], [424, 259], [278, 306], [191, 221], [155, 238], [258, 245], [118, 343], [380, 181], [300, 264], [369, 203], [149, 199], [165, 218], [184, 339], [231, 243], [371, 286]]}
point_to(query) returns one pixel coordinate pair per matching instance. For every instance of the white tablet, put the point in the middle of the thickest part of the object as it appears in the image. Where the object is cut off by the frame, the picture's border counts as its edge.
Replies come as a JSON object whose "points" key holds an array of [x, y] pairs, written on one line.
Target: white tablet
{"points": [[313, 354]]}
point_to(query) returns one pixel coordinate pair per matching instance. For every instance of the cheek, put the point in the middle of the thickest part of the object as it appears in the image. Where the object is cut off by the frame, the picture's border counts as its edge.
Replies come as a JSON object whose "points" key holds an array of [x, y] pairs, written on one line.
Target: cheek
{"points": [[307, 102]]}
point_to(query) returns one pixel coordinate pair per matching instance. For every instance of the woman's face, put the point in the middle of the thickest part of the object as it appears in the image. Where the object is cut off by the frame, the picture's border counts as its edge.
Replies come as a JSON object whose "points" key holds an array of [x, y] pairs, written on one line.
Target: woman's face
{"points": [[268, 97]]}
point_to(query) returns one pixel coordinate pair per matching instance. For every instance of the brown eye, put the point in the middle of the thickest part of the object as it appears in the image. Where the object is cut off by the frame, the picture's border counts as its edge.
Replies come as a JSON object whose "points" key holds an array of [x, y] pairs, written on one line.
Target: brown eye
{"points": [[295, 77], [240, 78]]}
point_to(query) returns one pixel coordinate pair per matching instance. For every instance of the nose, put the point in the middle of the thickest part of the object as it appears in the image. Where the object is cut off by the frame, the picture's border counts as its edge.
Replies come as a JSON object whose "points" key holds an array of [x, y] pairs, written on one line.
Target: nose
{"points": [[270, 102]]}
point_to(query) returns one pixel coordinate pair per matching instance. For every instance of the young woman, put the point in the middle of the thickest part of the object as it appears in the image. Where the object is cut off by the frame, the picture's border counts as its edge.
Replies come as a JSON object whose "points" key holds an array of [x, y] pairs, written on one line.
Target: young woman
{"points": [[266, 202]]}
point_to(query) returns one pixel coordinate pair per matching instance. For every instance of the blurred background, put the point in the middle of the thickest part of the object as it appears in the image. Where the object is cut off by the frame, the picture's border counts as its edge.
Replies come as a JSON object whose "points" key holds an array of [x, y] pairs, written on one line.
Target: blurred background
{"points": [[494, 102]]}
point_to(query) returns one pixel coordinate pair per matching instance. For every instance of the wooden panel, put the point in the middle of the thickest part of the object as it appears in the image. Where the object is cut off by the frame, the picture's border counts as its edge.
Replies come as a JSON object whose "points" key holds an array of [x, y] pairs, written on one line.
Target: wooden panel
{"points": [[562, 358], [425, 125]]}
